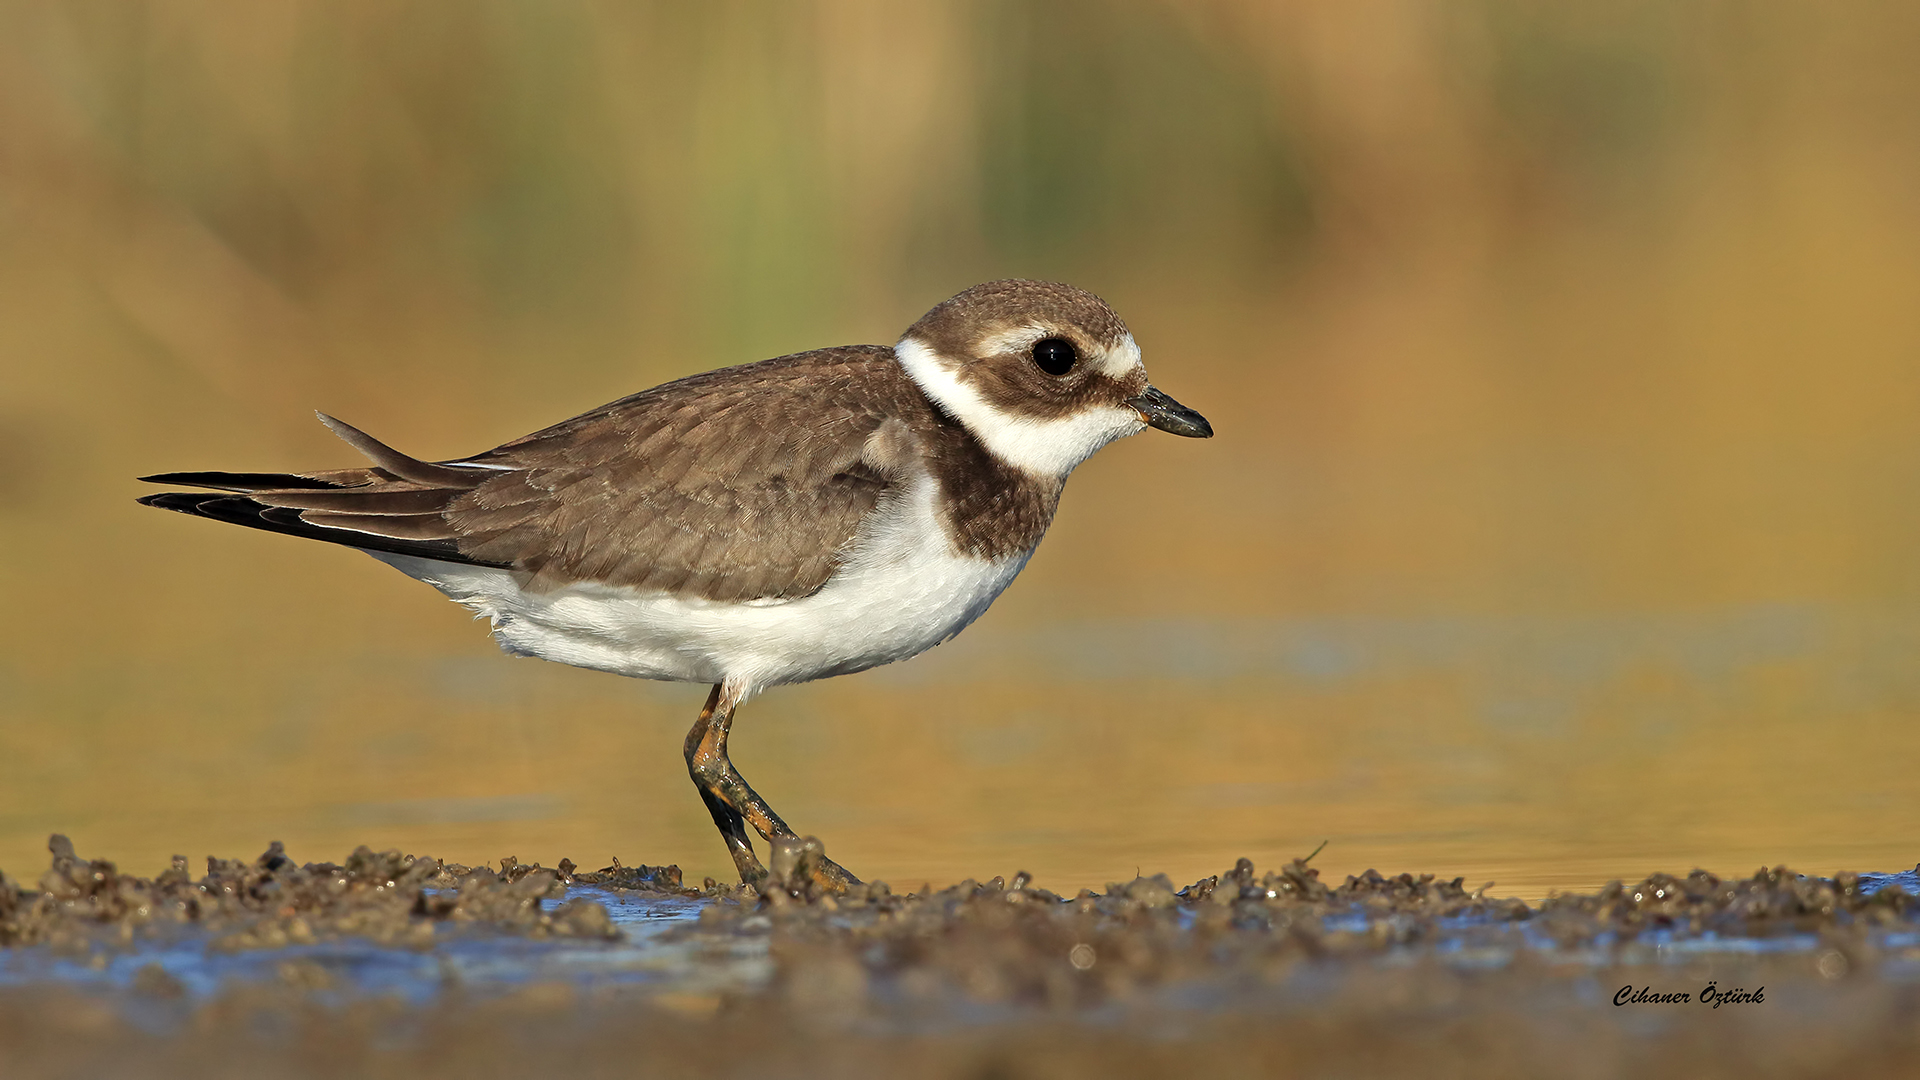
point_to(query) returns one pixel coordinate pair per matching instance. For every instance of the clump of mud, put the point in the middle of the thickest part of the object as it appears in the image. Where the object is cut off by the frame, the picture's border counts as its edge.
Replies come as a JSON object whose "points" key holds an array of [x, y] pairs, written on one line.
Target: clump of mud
{"points": [[1013, 942], [385, 897], [1252, 972], [1771, 902]]}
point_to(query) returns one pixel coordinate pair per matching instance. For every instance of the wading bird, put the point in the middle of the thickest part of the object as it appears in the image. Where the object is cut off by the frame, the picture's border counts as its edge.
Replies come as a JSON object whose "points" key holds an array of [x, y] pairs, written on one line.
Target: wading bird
{"points": [[806, 516]]}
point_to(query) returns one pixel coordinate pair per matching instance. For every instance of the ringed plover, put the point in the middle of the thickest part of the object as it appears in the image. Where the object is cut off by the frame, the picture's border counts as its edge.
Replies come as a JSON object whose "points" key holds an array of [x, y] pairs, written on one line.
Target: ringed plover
{"points": [[811, 515]]}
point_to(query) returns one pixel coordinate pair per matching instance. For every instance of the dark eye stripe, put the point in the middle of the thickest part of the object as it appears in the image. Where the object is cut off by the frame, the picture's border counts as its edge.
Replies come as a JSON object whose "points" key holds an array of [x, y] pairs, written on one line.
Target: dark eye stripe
{"points": [[1055, 356]]}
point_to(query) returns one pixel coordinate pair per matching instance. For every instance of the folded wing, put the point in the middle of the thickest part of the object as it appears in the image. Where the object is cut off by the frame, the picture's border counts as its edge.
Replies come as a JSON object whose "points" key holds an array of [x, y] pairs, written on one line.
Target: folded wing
{"points": [[740, 484]]}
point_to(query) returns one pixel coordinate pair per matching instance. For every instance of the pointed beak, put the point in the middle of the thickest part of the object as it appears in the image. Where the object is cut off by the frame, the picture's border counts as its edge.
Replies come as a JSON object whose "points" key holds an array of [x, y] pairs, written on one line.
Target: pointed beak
{"points": [[1161, 411]]}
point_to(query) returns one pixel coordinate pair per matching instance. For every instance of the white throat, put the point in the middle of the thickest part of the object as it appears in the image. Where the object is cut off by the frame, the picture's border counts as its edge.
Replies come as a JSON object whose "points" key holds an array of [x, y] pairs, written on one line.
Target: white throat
{"points": [[1045, 448]]}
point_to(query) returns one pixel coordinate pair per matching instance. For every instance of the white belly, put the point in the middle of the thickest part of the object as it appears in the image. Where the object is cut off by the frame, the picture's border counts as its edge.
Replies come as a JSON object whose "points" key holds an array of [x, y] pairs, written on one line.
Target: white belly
{"points": [[902, 590]]}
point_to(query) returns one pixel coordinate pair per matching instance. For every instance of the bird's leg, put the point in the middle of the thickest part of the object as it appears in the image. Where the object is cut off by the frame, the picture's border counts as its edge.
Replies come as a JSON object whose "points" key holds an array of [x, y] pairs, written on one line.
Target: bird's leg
{"points": [[733, 802], [699, 763]]}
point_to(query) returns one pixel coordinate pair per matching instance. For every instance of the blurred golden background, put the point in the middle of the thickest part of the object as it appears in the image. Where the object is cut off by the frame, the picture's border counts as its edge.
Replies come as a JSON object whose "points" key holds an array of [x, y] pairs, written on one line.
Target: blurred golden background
{"points": [[1562, 525]]}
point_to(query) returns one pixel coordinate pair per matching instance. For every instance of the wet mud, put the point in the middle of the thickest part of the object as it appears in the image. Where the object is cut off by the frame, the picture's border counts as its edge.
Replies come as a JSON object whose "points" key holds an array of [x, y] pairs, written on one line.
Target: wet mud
{"points": [[391, 965]]}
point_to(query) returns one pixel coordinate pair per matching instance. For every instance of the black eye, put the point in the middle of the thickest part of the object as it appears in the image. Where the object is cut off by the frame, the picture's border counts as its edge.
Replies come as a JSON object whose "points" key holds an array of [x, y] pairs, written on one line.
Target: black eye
{"points": [[1055, 355]]}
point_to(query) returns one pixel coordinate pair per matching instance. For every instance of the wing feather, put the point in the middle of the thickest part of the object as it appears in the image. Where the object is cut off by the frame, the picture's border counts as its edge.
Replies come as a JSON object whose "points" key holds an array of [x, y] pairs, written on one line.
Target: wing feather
{"points": [[737, 484]]}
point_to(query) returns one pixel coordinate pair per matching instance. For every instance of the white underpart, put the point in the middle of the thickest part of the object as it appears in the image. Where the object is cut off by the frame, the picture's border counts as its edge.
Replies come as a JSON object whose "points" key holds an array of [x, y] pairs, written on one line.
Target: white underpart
{"points": [[1048, 448], [902, 590]]}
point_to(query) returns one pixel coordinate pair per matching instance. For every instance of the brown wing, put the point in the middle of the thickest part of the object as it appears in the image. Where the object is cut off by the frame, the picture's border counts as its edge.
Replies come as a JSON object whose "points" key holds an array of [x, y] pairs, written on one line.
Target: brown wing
{"points": [[738, 484], [733, 485]]}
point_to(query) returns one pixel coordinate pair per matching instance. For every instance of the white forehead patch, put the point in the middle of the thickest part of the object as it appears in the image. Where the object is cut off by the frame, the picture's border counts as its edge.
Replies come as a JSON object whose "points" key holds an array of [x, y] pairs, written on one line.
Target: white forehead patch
{"points": [[1045, 448], [1121, 360]]}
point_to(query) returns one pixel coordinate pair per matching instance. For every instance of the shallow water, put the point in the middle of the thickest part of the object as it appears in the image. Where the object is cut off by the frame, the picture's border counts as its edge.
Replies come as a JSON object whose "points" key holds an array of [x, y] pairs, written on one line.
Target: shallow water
{"points": [[647, 958], [1538, 753]]}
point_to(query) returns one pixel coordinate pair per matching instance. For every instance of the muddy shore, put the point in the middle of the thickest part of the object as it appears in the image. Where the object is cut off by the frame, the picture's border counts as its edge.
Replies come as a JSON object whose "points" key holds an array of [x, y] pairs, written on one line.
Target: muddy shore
{"points": [[390, 965]]}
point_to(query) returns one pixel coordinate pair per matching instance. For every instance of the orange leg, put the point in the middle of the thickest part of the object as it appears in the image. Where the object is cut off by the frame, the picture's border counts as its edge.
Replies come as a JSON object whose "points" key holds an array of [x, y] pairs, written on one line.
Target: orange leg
{"points": [[733, 802]]}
